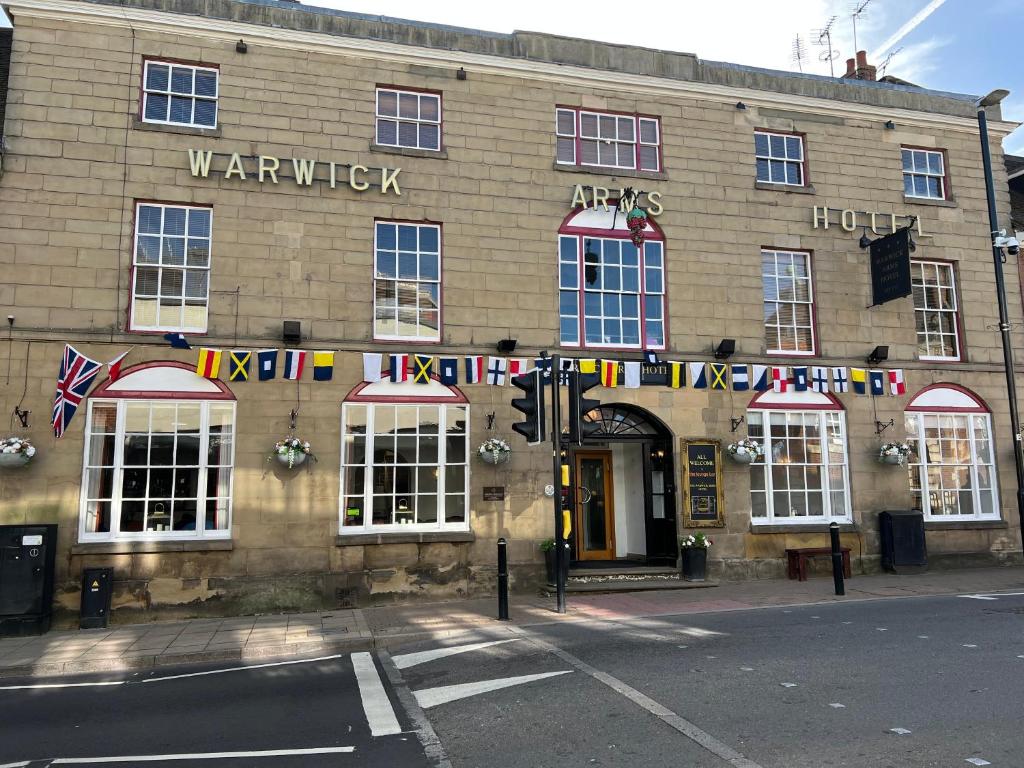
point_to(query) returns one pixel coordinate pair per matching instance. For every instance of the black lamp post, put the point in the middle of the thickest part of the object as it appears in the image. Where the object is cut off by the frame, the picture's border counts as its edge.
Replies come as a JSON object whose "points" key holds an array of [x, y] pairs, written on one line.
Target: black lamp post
{"points": [[1004, 321]]}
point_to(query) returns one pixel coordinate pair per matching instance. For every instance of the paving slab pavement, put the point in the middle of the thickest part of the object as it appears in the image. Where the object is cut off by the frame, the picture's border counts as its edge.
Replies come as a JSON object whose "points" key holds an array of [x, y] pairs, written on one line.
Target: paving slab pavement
{"points": [[156, 644]]}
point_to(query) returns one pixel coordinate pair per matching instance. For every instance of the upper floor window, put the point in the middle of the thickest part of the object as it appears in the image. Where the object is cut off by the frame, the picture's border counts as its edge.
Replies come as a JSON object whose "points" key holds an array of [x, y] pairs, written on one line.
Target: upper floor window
{"points": [[408, 119], [780, 158], [179, 94], [407, 281], [935, 310], [924, 173], [608, 139], [171, 268], [788, 302]]}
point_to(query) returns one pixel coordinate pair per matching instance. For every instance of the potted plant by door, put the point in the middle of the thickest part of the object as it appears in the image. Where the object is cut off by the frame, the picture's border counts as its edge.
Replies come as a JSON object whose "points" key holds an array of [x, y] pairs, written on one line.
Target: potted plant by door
{"points": [[694, 556], [16, 451], [550, 555]]}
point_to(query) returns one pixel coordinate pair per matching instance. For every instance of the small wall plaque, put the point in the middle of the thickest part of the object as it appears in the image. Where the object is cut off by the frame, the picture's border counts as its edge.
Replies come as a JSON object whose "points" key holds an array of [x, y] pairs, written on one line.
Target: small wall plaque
{"points": [[494, 493]]}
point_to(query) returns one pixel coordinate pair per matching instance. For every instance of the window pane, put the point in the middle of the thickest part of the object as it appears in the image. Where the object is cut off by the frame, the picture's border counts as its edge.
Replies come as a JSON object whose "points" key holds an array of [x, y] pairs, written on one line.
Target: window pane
{"points": [[206, 83], [205, 112], [156, 107], [387, 103], [157, 77], [565, 122]]}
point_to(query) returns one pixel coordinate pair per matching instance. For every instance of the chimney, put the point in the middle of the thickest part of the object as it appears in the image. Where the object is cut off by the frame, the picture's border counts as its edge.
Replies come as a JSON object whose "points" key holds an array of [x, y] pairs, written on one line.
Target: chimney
{"points": [[859, 69]]}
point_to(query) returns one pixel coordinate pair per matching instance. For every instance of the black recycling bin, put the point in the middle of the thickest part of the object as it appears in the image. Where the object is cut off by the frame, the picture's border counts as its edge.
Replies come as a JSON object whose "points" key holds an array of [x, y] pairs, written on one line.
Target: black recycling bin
{"points": [[26, 578], [97, 587], [903, 544]]}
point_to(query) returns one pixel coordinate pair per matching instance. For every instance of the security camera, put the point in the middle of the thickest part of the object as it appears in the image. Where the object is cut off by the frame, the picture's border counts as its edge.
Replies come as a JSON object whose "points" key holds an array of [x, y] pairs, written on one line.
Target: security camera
{"points": [[1011, 244]]}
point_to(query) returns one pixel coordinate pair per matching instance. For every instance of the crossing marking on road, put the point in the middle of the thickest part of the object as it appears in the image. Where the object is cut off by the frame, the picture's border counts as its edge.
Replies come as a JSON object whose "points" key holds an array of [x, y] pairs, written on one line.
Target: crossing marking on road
{"points": [[240, 669], [788, 685], [406, 660], [38, 686], [199, 756], [431, 697], [379, 712], [977, 761]]}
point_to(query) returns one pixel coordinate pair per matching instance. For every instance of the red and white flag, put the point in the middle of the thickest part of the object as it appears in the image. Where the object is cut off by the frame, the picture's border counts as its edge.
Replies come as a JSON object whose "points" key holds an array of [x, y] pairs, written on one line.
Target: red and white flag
{"points": [[517, 366], [897, 386], [474, 369], [780, 379], [114, 366], [294, 362]]}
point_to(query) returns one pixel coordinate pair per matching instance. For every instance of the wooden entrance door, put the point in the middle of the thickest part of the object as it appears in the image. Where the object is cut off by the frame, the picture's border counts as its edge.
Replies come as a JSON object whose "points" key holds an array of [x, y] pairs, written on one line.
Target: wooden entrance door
{"points": [[595, 513]]}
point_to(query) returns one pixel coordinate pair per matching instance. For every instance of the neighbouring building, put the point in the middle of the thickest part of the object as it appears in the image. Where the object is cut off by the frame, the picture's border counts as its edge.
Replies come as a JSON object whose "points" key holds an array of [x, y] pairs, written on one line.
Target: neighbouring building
{"points": [[393, 199]]}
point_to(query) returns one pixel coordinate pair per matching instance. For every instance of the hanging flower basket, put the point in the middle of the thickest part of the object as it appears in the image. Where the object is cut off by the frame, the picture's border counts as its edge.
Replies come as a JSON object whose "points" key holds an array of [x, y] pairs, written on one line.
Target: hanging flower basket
{"points": [[494, 451], [636, 220], [894, 453], [16, 452], [291, 452], [745, 451]]}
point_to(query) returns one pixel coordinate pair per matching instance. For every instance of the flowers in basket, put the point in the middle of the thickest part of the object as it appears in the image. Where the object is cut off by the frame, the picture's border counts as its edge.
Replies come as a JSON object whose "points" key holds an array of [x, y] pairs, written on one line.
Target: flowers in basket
{"points": [[16, 451], [745, 450], [894, 453], [695, 541], [291, 451], [494, 450]]}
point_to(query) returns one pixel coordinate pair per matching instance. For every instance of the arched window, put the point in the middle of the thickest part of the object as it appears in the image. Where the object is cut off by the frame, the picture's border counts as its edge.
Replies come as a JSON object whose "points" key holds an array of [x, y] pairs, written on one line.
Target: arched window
{"points": [[611, 293], [803, 476], [952, 464], [404, 458], [159, 453]]}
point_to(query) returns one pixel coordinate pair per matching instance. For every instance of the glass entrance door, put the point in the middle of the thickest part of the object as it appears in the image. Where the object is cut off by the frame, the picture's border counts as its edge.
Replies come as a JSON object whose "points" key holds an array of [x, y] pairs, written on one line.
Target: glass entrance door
{"points": [[595, 516]]}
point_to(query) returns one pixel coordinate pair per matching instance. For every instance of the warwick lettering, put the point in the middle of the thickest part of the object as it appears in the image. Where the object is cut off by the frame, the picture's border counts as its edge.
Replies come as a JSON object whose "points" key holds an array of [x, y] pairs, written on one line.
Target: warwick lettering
{"points": [[303, 171], [850, 220]]}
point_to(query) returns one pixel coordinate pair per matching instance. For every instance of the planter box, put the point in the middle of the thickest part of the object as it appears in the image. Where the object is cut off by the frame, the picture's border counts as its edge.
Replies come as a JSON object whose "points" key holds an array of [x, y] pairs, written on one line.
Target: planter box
{"points": [[694, 563]]}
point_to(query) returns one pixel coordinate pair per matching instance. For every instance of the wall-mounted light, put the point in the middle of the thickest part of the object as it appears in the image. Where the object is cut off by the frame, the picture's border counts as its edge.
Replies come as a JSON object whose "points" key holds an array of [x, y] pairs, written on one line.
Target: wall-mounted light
{"points": [[460, 73], [291, 332], [507, 346], [890, 125], [740, 105], [865, 241], [241, 47], [878, 355], [725, 349]]}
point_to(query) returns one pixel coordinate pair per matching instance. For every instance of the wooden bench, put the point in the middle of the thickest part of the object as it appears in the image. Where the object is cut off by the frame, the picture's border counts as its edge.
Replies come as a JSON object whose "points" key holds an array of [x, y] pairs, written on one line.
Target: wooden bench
{"points": [[796, 560]]}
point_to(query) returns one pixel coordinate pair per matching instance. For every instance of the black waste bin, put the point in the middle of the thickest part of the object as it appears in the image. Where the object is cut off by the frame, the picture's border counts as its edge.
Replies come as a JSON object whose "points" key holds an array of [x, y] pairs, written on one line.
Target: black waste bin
{"points": [[97, 587], [26, 578], [903, 544]]}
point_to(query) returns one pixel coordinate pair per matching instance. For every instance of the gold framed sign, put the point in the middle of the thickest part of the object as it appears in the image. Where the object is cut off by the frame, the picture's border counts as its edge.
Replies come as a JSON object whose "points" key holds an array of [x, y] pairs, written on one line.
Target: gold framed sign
{"points": [[703, 493]]}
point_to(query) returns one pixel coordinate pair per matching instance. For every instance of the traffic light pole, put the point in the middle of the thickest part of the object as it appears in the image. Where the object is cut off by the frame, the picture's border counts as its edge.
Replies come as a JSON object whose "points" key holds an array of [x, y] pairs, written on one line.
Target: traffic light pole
{"points": [[556, 464]]}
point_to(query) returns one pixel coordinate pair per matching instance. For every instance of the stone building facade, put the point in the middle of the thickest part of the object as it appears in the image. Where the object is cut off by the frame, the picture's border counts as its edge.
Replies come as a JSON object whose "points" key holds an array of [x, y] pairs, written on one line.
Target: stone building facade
{"points": [[409, 189]]}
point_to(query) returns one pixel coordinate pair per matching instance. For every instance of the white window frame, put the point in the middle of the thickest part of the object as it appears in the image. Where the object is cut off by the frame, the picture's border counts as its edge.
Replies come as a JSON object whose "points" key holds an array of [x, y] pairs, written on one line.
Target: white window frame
{"points": [[184, 267], [115, 533], [942, 269], [169, 93], [767, 462], [785, 158], [916, 170], [639, 121], [793, 302], [367, 525], [435, 334], [918, 464], [417, 121]]}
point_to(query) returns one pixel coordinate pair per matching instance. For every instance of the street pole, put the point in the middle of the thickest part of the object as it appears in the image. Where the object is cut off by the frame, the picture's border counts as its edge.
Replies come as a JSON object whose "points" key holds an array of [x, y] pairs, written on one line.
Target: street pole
{"points": [[556, 463], [1004, 320]]}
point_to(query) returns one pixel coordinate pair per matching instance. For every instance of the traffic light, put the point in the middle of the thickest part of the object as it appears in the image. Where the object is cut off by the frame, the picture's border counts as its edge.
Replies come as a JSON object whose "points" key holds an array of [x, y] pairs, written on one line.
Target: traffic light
{"points": [[579, 406], [531, 404]]}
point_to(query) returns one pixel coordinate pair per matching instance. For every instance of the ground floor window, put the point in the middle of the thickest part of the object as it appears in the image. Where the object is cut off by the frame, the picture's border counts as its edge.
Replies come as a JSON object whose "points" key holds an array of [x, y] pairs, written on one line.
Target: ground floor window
{"points": [[803, 476], [157, 469], [404, 466]]}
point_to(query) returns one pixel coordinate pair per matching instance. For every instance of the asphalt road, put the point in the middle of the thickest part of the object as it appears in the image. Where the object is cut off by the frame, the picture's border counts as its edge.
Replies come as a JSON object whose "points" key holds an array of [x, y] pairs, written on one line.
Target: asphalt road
{"points": [[935, 681]]}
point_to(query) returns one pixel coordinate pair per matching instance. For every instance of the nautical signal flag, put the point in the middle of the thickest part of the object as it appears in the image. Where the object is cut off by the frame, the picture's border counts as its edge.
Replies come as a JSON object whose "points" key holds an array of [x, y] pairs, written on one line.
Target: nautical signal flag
{"points": [[800, 378], [631, 377], [740, 378], [676, 374], [586, 365], [371, 366], [422, 368], [497, 367], [177, 340], [294, 363], [609, 373], [448, 370], [266, 364], [399, 368], [858, 378], [517, 366], [323, 366], [209, 363], [238, 364], [718, 377], [114, 366], [762, 378], [474, 369], [897, 386], [877, 381], [698, 376], [819, 379], [780, 379], [840, 383]]}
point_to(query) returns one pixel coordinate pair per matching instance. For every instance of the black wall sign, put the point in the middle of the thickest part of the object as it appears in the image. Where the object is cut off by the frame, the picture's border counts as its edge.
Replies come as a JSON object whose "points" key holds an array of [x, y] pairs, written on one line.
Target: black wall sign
{"points": [[494, 493], [702, 481], [890, 267]]}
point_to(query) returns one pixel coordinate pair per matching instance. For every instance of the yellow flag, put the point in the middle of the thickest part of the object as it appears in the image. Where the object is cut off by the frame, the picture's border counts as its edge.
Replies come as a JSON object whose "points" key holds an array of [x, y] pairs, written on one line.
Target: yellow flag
{"points": [[209, 363]]}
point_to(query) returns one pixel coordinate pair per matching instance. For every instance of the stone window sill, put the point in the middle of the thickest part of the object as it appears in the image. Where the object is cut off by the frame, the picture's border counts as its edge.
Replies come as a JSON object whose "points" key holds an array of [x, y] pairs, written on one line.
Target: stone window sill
{"points": [[965, 525], [613, 172], [798, 528], [792, 189], [184, 130], [430, 537], [409, 151], [951, 203], [145, 547]]}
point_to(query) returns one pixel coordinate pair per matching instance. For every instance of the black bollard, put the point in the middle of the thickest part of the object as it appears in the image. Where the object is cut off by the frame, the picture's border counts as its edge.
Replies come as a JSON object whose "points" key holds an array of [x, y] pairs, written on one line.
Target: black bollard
{"points": [[837, 559], [502, 580]]}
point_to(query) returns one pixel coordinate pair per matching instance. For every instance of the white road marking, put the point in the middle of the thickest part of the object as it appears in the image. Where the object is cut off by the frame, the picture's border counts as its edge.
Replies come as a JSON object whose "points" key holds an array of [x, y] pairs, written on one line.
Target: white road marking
{"points": [[900, 731], [993, 595], [241, 669], [979, 597], [406, 660], [431, 697], [977, 761], [837, 705], [922, 637], [421, 726], [58, 685], [788, 685], [22, 764], [379, 712], [970, 645], [199, 756], [746, 669]]}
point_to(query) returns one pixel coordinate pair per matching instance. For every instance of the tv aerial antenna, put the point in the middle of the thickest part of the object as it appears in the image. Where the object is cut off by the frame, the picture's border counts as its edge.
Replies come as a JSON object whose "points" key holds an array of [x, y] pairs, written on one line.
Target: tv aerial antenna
{"points": [[799, 52], [824, 40], [888, 60], [858, 11]]}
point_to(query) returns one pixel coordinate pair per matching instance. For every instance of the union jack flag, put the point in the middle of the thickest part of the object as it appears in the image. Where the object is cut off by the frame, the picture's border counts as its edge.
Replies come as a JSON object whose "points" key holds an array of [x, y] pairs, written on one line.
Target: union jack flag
{"points": [[77, 373]]}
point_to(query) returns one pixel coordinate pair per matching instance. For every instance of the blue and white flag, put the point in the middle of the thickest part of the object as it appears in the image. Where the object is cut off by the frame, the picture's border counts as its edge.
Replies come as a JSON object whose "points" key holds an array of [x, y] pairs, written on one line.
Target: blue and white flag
{"points": [[740, 378], [474, 369], [840, 381], [399, 369], [800, 378], [877, 379], [266, 364], [497, 367], [651, 358], [448, 370], [762, 378], [819, 379], [698, 375], [177, 340]]}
